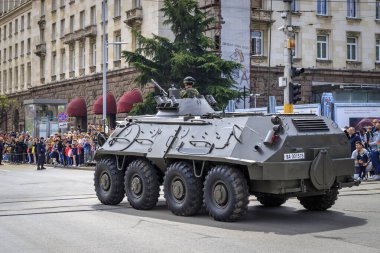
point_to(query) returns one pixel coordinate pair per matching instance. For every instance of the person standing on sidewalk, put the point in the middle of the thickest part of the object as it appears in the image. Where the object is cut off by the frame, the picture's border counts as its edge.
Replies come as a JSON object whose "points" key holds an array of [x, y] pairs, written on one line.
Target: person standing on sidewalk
{"points": [[1, 150], [375, 151], [41, 152]]}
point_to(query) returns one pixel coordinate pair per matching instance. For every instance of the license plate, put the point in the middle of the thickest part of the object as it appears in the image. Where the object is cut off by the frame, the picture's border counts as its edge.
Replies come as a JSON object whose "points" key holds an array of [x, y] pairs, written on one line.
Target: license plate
{"points": [[294, 156]]}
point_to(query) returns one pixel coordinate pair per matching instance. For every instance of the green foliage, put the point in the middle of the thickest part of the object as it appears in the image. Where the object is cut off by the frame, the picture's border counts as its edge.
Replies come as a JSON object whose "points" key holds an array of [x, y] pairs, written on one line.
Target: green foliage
{"points": [[190, 54], [148, 106], [5, 104]]}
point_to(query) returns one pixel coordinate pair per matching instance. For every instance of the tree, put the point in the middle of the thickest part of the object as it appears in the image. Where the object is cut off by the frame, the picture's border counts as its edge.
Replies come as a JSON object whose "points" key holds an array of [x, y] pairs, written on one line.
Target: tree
{"points": [[5, 105], [189, 54]]}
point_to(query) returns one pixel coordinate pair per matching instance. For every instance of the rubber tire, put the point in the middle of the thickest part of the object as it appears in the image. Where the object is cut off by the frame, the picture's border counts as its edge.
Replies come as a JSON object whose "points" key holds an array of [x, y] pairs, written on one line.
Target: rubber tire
{"points": [[237, 188], [271, 201], [192, 201], [150, 181], [320, 202], [115, 194]]}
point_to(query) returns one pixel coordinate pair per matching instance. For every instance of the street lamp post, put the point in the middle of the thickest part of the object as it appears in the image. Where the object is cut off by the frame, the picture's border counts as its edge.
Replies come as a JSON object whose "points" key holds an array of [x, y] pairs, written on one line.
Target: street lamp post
{"points": [[105, 57]]}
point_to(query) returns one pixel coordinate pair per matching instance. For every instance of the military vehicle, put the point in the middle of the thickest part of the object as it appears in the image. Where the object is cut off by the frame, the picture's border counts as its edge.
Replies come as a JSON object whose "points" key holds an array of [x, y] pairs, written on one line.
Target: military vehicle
{"points": [[219, 159]]}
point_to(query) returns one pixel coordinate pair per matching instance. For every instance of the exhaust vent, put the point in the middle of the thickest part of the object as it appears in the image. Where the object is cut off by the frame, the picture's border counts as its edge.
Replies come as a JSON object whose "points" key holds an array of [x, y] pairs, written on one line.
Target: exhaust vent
{"points": [[310, 125]]}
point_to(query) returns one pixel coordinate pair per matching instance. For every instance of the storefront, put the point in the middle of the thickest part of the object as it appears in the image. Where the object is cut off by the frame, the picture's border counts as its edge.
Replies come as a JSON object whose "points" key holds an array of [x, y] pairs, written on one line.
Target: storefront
{"points": [[41, 116]]}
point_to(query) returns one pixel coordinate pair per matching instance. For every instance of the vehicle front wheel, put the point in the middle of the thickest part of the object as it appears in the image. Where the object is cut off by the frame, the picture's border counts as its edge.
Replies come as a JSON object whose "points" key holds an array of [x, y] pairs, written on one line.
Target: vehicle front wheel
{"points": [[108, 182], [226, 193]]}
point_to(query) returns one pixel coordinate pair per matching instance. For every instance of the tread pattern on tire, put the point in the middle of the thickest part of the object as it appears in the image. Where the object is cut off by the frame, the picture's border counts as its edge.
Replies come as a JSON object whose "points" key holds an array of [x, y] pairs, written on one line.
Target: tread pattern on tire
{"points": [[240, 195], [151, 186], [116, 192], [271, 201], [320, 202], [193, 202]]}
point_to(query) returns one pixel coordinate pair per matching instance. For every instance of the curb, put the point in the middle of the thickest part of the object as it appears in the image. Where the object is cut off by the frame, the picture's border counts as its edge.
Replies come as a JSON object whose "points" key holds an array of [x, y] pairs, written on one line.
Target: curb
{"points": [[89, 168]]}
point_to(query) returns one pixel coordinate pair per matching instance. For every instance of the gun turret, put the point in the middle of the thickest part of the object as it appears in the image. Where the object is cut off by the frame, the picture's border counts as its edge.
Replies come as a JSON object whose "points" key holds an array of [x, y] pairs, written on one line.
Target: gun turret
{"points": [[159, 87]]}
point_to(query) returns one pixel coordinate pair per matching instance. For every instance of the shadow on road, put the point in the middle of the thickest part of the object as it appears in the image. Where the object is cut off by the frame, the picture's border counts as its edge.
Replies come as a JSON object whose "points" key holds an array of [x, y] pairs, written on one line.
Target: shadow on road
{"points": [[280, 220]]}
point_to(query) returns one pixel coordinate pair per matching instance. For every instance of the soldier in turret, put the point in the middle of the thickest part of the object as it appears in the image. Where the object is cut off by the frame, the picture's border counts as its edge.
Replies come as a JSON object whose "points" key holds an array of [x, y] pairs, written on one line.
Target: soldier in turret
{"points": [[189, 91]]}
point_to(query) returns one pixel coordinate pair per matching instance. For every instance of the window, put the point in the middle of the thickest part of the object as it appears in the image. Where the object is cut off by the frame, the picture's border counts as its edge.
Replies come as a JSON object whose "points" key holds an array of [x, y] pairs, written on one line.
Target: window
{"points": [[10, 53], [10, 29], [22, 23], [62, 34], [22, 48], [16, 78], [72, 58], [29, 74], [5, 55], [93, 15], [352, 48], [82, 56], [72, 24], [257, 42], [117, 10], [28, 46], [10, 84], [62, 4], [16, 26], [136, 3], [53, 63], [5, 81], [53, 31], [5, 32], [352, 8], [297, 48], [42, 7], [93, 53], [378, 9], [63, 62], [81, 19], [294, 6], [28, 20], [322, 47], [0, 34], [378, 50], [117, 48], [53, 5], [22, 75], [42, 67], [16, 50]]}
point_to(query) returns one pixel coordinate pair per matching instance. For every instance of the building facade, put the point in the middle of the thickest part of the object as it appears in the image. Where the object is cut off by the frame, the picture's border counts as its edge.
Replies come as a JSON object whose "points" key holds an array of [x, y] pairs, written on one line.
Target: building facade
{"points": [[62, 57]]}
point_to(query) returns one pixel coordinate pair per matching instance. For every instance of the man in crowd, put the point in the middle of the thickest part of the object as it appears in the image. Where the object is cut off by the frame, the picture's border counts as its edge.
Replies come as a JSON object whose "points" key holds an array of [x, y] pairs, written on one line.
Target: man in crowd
{"points": [[375, 150], [353, 137], [41, 152], [189, 91]]}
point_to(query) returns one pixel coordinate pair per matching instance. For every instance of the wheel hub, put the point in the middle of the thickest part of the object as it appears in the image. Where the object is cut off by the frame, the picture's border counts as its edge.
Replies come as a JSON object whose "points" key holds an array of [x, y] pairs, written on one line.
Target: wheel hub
{"points": [[105, 182], [136, 185], [220, 194], [178, 189]]}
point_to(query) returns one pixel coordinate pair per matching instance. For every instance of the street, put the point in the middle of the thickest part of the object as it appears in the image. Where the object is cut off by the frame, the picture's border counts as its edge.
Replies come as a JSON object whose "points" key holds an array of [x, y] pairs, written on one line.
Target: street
{"points": [[56, 210]]}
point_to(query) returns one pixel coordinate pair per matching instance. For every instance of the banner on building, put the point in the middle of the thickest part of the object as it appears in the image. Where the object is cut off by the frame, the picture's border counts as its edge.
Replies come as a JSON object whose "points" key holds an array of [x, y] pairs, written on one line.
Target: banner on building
{"points": [[235, 41]]}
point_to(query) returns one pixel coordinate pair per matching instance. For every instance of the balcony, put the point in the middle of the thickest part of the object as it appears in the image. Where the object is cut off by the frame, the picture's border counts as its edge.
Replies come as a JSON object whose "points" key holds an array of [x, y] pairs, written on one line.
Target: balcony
{"points": [[79, 34], [41, 49], [90, 31], [69, 38], [262, 16], [134, 17]]}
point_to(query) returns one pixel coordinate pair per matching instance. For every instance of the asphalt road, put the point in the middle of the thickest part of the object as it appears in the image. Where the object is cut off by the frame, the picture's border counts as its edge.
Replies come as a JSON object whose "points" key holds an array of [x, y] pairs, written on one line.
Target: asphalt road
{"points": [[56, 210]]}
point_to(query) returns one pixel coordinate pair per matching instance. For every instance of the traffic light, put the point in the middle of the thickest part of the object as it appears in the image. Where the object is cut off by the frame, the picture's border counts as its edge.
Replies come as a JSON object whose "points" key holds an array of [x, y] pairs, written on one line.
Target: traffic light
{"points": [[294, 92], [297, 71]]}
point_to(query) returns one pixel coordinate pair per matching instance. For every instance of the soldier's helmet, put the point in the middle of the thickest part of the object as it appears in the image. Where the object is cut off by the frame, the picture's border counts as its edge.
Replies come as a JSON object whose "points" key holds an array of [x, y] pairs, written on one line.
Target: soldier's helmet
{"points": [[189, 80]]}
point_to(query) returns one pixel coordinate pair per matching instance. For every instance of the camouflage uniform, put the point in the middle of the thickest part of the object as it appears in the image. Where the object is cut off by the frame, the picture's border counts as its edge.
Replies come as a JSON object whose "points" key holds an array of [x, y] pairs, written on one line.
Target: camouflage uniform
{"points": [[189, 93]]}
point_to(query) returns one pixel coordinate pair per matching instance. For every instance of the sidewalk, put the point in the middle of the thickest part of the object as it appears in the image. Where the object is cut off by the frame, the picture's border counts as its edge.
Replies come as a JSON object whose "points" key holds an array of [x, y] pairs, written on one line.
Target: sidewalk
{"points": [[82, 167]]}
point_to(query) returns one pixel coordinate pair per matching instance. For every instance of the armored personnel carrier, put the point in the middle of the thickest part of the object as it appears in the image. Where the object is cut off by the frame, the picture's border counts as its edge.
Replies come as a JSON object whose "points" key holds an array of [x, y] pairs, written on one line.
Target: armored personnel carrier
{"points": [[219, 160]]}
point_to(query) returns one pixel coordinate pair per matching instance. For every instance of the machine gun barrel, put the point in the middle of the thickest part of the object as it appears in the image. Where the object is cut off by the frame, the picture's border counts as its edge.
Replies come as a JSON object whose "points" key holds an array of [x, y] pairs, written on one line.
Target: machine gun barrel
{"points": [[159, 87]]}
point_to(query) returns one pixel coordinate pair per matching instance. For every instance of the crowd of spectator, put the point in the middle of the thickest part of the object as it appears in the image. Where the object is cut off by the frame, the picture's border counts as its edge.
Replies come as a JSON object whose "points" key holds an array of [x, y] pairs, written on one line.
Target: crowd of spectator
{"points": [[365, 148], [72, 148]]}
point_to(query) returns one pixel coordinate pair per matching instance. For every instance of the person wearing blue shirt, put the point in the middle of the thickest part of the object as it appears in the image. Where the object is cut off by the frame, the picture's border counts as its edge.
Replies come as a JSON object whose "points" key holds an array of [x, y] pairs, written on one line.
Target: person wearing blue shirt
{"points": [[353, 137]]}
